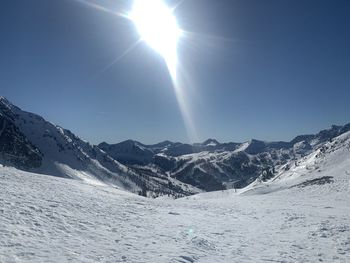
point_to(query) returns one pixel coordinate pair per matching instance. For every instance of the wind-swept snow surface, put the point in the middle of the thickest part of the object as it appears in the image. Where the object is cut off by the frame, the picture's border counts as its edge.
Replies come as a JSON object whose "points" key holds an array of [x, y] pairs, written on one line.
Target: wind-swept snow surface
{"points": [[48, 219]]}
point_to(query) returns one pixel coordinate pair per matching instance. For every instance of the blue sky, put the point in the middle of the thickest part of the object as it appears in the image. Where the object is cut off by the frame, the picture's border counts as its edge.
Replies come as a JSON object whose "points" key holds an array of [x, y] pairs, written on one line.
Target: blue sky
{"points": [[267, 69]]}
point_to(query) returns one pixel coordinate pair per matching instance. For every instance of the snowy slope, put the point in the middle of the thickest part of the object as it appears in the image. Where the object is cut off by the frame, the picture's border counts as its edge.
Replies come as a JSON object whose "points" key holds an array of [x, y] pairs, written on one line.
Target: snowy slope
{"points": [[251, 160], [48, 219], [66, 155], [330, 160], [327, 167]]}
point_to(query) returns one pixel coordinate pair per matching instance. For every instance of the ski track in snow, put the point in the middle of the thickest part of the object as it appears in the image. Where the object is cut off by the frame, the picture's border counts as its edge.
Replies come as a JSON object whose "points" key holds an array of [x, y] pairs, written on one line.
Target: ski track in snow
{"points": [[48, 219]]}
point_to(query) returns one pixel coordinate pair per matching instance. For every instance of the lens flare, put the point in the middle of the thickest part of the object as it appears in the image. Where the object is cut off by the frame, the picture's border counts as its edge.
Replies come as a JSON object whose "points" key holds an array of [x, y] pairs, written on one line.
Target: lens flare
{"points": [[158, 27]]}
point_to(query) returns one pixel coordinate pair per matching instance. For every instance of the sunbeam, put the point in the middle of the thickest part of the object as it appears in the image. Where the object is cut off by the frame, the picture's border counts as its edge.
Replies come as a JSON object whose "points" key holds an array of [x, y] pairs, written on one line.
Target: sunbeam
{"points": [[101, 8], [121, 56], [158, 27], [182, 98]]}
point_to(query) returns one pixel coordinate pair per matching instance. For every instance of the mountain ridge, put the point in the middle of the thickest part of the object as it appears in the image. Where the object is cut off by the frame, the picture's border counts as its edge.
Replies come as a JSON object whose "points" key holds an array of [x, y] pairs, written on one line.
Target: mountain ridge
{"points": [[29, 142], [213, 166], [64, 154]]}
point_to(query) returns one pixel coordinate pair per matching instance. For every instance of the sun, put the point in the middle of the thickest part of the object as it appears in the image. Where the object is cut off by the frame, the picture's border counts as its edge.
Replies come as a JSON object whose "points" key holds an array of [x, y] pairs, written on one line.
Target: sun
{"points": [[158, 27]]}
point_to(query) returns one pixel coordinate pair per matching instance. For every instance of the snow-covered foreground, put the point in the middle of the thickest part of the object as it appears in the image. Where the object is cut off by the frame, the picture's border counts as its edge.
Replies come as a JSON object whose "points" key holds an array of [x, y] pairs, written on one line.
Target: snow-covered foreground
{"points": [[48, 219]]}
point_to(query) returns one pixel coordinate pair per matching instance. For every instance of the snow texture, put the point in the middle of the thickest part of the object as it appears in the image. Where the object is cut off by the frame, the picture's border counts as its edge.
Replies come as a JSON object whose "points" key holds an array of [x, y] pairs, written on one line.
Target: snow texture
{"points": [[300, 216]]}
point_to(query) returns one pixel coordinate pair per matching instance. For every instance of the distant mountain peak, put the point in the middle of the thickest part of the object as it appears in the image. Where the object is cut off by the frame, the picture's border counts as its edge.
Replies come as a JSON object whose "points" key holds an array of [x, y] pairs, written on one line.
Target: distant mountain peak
{"points": [[5, 101], [211, 142], [29, 142], [163, 143]]}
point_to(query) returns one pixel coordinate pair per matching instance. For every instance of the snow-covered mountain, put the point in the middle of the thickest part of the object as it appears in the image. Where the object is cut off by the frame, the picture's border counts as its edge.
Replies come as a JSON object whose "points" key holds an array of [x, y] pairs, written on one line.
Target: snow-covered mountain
{"points": [[31, 143], [15, 149], [295, 210], [129, 152], [134, 152], [214, 166], [302, 215]]}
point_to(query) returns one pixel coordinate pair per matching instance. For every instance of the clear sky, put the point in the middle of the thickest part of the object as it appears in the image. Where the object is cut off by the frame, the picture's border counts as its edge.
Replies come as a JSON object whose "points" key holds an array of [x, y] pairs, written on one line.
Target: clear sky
{"points": [[267, 69]]}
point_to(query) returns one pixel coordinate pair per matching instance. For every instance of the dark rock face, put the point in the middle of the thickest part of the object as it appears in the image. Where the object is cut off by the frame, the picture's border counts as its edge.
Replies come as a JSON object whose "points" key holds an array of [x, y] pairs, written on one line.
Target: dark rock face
{"points": [[200, 179], [15, 149], [164, 162], [129, 152]]}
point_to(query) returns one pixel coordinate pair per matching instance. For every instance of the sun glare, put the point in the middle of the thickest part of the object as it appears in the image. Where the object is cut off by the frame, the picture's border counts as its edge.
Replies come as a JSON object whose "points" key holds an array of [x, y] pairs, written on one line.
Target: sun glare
{"points": [[158, 27]]}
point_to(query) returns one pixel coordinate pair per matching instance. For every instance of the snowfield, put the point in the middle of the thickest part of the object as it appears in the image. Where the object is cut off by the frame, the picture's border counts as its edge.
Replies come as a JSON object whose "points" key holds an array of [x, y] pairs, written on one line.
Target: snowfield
{"points": [[302, 215]]}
